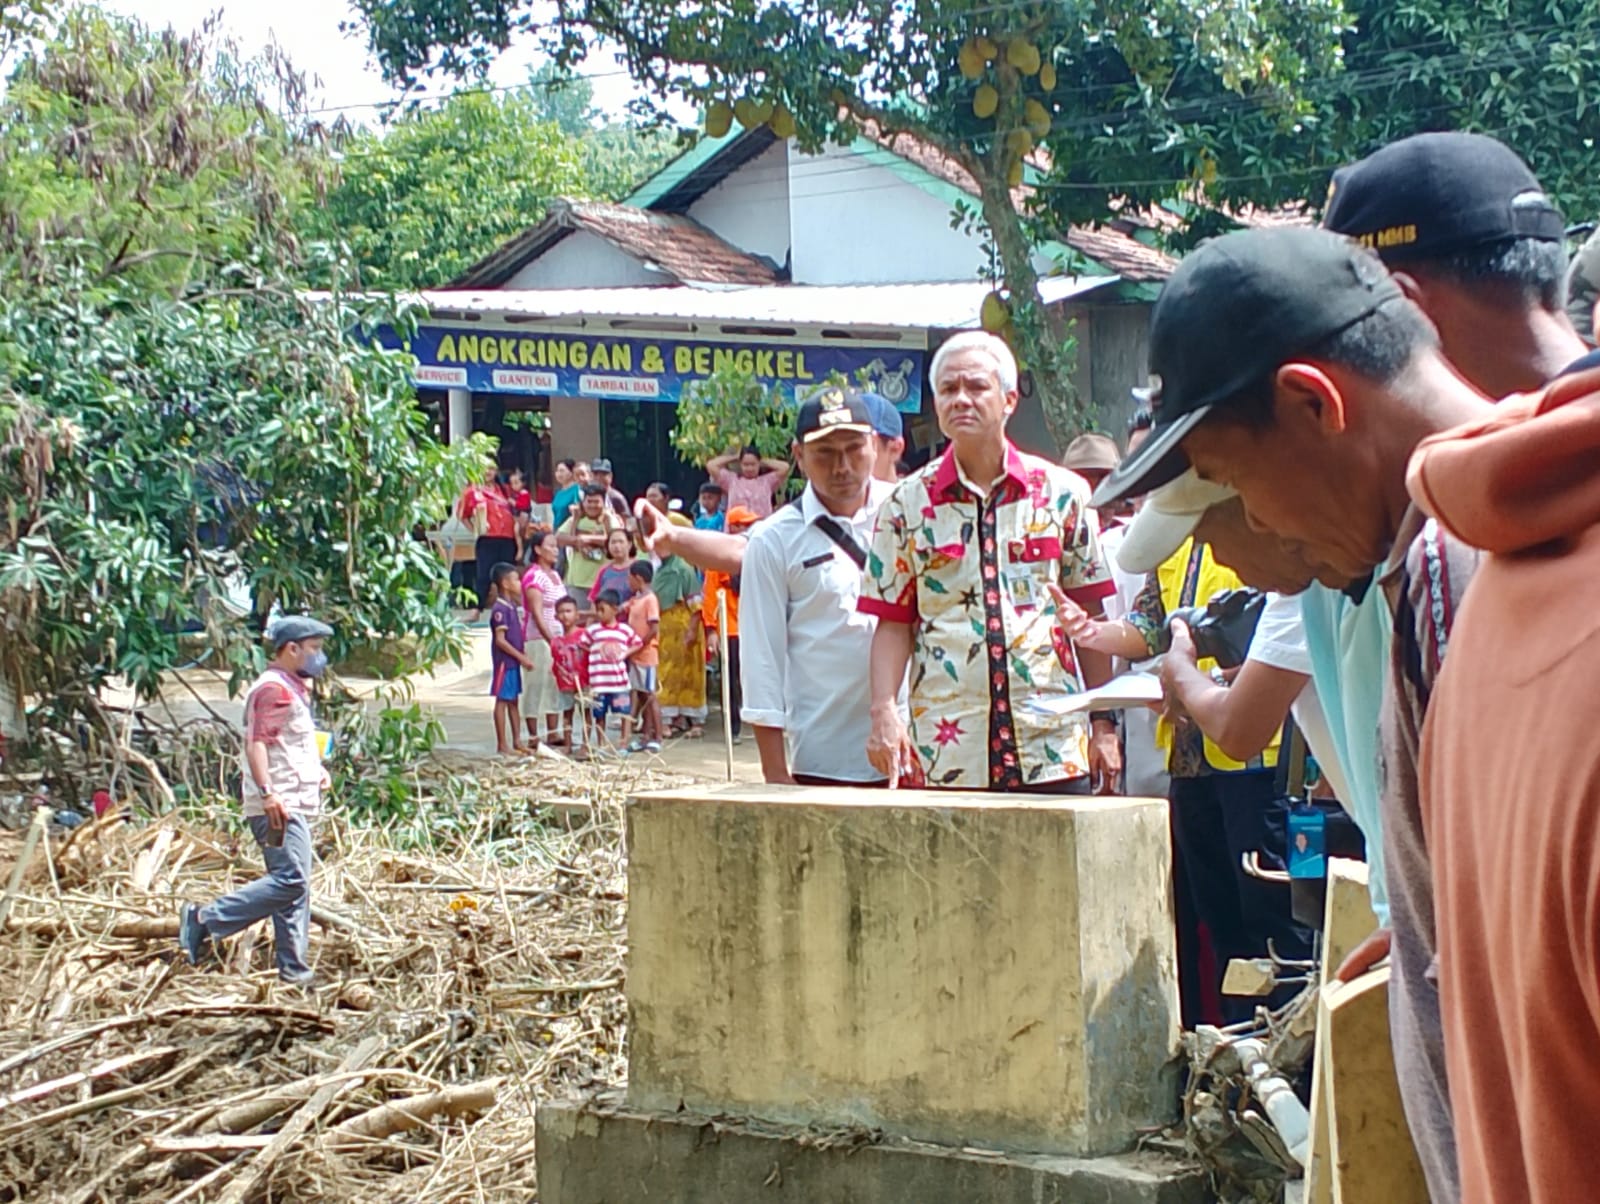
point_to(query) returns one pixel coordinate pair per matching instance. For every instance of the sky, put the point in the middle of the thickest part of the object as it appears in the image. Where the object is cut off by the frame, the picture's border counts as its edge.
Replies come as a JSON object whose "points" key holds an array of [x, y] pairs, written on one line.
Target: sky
{"points": [[337, 66]]}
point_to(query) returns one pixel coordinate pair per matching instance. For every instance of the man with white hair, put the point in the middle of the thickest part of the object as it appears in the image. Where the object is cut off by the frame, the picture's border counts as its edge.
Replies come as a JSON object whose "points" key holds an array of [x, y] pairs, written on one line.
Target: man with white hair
{"points": [[970, 558]]}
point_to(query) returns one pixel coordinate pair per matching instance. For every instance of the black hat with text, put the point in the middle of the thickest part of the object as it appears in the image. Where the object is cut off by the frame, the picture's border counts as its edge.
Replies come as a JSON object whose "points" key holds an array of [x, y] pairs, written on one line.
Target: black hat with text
{"points": [[1234, 310], [832, 409], [1439, 194]]}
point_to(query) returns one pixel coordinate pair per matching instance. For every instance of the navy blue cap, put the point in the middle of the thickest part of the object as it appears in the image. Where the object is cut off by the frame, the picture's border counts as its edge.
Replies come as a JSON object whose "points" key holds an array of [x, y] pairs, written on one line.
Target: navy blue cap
{"points": [[886, 419]]}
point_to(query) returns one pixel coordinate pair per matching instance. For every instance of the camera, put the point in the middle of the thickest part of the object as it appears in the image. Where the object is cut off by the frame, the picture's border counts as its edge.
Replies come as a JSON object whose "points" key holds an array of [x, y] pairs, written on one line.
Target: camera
{"points": [[1222, 629]]}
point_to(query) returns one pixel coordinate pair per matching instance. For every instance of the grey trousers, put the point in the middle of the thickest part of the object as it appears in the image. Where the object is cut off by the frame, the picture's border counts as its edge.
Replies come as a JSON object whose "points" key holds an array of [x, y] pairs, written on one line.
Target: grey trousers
{"points": [[284, 893]]}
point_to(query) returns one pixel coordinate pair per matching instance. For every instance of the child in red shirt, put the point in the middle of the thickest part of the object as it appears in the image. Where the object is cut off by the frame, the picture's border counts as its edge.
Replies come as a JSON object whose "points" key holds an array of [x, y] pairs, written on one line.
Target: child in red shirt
{"points": [[570, 660]]}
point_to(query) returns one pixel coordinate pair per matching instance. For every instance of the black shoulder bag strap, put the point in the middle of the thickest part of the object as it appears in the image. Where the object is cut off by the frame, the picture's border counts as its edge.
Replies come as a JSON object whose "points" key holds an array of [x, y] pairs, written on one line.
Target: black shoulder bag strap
{"points": [[834, 530]]}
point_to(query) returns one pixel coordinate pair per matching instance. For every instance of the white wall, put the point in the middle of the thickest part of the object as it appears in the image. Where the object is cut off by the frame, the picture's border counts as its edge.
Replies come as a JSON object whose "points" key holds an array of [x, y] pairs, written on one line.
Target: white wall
{"points": [[574, 428], [581, 260], [858, 223], [751, 207]]}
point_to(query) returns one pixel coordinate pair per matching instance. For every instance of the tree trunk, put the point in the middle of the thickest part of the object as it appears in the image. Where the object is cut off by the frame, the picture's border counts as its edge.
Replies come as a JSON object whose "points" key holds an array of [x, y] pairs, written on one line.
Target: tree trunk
{"points": [[1038, 346]]}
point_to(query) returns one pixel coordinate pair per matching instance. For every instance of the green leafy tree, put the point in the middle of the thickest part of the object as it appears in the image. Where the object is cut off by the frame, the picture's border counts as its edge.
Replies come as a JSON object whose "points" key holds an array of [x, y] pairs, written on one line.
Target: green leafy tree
{"points": [[731, 400], [566, 101], [617, 156], [983, 83], [1523, 73], [440, 188], [176, 421]]}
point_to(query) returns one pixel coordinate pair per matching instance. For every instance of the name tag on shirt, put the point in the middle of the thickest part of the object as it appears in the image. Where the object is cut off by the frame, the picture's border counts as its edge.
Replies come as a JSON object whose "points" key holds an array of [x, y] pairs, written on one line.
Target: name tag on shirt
{"points": [[1031, 567], [823, 558]]}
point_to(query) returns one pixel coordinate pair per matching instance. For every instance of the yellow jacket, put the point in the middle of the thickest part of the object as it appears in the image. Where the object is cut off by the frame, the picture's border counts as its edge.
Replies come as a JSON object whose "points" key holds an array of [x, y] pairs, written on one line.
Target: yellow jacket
{"points": [[1214, 578]]}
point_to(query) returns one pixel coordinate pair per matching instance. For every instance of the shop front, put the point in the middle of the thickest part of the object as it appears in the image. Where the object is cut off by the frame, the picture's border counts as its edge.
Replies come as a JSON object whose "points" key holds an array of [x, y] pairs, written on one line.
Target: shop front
{"points": [[550, 394]]}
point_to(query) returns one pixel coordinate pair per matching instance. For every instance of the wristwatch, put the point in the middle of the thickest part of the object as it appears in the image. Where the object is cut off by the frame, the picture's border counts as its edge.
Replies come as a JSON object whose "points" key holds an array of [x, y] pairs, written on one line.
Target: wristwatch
{"points": [[1114, 718]]}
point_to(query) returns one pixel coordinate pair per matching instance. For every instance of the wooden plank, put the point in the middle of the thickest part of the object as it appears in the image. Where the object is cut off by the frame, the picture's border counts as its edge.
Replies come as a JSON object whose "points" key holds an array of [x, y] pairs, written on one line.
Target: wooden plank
{"points": [[1370, 1145], [1347, 921]]}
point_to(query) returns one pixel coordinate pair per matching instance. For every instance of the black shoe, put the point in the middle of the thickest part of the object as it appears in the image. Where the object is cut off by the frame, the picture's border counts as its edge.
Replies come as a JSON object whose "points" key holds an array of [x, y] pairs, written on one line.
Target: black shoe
{"points": [[192, 934]]}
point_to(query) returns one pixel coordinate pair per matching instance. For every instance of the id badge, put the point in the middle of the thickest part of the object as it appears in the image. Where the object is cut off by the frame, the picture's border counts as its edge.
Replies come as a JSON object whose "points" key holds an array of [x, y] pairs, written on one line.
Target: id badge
{"points": [[1025, 585]]}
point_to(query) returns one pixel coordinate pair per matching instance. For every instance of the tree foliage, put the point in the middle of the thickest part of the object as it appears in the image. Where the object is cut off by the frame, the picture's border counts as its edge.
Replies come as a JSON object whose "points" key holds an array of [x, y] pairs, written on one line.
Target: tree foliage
{"points": [[175, 419], [1520, 72], [422, 200]]}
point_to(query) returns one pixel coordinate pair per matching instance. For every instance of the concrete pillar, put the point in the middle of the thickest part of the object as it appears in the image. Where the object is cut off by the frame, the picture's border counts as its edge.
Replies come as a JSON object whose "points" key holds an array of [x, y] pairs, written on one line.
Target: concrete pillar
{"points": [[460, 415], [957, 968], [574, 428]]}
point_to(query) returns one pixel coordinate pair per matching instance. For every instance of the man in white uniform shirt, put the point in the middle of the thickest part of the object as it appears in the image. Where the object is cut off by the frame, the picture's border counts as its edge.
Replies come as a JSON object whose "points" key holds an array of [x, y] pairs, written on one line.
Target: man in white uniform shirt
{"points": [[804, 645]]}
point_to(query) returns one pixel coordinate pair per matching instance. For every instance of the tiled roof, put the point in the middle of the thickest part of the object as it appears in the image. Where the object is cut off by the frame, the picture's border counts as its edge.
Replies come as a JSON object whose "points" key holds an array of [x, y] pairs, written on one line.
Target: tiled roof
{"points": [[1112, 249], [1123, 254], [677, 243], [678, 246]]}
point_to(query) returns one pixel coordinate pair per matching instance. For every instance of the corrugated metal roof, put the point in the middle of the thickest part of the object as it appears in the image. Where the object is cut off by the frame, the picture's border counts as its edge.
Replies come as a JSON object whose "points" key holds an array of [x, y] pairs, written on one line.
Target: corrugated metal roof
{"points": [[947, 306]]}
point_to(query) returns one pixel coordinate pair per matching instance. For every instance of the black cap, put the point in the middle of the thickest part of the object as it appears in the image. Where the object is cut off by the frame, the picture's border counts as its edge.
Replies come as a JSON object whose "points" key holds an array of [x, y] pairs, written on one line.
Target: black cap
{"points": [[1437, 194], [1236, 308], [832, 409]]}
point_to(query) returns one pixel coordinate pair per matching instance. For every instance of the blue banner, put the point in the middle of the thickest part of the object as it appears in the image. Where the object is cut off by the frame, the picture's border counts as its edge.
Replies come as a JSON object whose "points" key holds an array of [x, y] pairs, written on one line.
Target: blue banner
{"points": [[581, 365]]}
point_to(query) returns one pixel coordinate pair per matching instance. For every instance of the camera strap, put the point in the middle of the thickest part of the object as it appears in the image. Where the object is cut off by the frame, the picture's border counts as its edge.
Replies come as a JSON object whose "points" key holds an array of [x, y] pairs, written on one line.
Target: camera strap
{"points": [[1191, 575]]}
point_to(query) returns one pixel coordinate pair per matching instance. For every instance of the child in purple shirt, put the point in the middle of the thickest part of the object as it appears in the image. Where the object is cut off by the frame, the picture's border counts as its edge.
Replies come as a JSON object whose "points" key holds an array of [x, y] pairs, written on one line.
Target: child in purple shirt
{"points": [[509, 659]]}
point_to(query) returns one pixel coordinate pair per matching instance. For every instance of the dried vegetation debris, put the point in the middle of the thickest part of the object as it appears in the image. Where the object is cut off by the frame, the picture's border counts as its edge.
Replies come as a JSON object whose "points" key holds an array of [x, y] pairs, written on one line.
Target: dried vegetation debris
{"points": [[456, 990]]}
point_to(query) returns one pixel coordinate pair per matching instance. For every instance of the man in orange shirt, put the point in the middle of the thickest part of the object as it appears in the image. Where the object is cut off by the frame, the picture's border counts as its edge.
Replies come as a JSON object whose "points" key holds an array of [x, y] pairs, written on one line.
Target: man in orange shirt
{"points": [[1509, 786]]}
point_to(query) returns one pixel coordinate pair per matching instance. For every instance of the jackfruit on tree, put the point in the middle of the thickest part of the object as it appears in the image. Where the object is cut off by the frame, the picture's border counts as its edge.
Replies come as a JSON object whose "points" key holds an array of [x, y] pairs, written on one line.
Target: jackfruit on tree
{"points": [[1047, 76], [782, 122], [1037, 117], [985, 101], [1024, 56], [719, 118], [969, 60], [994, 313]]}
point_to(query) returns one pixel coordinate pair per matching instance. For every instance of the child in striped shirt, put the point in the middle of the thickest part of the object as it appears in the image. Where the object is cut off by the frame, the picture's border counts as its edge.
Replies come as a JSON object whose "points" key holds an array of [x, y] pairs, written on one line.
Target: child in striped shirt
{"points": [[609, 643]]}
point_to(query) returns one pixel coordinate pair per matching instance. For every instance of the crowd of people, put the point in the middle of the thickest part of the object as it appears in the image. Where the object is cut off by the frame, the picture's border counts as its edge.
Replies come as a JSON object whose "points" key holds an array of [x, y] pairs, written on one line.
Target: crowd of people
{"points": [[595, 622], [1389, 425]]}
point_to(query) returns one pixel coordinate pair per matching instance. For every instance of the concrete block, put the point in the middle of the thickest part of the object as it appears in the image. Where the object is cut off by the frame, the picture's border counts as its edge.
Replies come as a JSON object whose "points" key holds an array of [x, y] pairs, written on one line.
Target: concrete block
{"points": [[595, 1154], [950, 967]]}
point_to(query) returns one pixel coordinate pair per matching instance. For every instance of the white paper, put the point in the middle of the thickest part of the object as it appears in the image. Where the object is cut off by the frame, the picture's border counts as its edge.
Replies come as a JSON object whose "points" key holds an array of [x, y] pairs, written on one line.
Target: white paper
{"points": [[1128, 690]]}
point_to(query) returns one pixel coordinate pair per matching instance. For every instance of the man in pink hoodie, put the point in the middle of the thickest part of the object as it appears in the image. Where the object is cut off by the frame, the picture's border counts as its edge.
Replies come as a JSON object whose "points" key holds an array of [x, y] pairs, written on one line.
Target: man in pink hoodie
{"points": [[1510, 791]]}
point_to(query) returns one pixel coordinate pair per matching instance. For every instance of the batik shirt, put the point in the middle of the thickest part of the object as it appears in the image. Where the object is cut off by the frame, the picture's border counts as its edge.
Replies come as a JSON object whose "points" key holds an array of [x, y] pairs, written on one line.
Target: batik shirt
{"points": [[967, 569]]}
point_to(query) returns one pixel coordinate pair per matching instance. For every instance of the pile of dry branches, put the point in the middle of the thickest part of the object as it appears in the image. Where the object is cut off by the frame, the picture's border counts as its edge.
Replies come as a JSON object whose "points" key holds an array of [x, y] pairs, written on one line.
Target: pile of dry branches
{"points": [[455, 992]]}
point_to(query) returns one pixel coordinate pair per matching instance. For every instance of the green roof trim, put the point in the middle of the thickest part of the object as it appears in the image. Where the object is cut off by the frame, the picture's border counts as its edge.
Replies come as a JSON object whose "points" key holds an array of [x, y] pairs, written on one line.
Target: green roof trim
{"points": [[707, 148], [676, 171]]}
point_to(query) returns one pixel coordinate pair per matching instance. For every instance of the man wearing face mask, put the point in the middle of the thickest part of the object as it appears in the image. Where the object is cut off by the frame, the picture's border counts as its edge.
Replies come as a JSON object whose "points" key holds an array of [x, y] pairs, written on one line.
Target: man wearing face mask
{"points": [[283, 784]]}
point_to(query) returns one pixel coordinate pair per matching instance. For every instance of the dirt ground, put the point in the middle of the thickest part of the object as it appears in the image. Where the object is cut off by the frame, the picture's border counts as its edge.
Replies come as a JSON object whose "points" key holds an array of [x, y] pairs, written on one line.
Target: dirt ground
{"points": [[459, 697]]}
